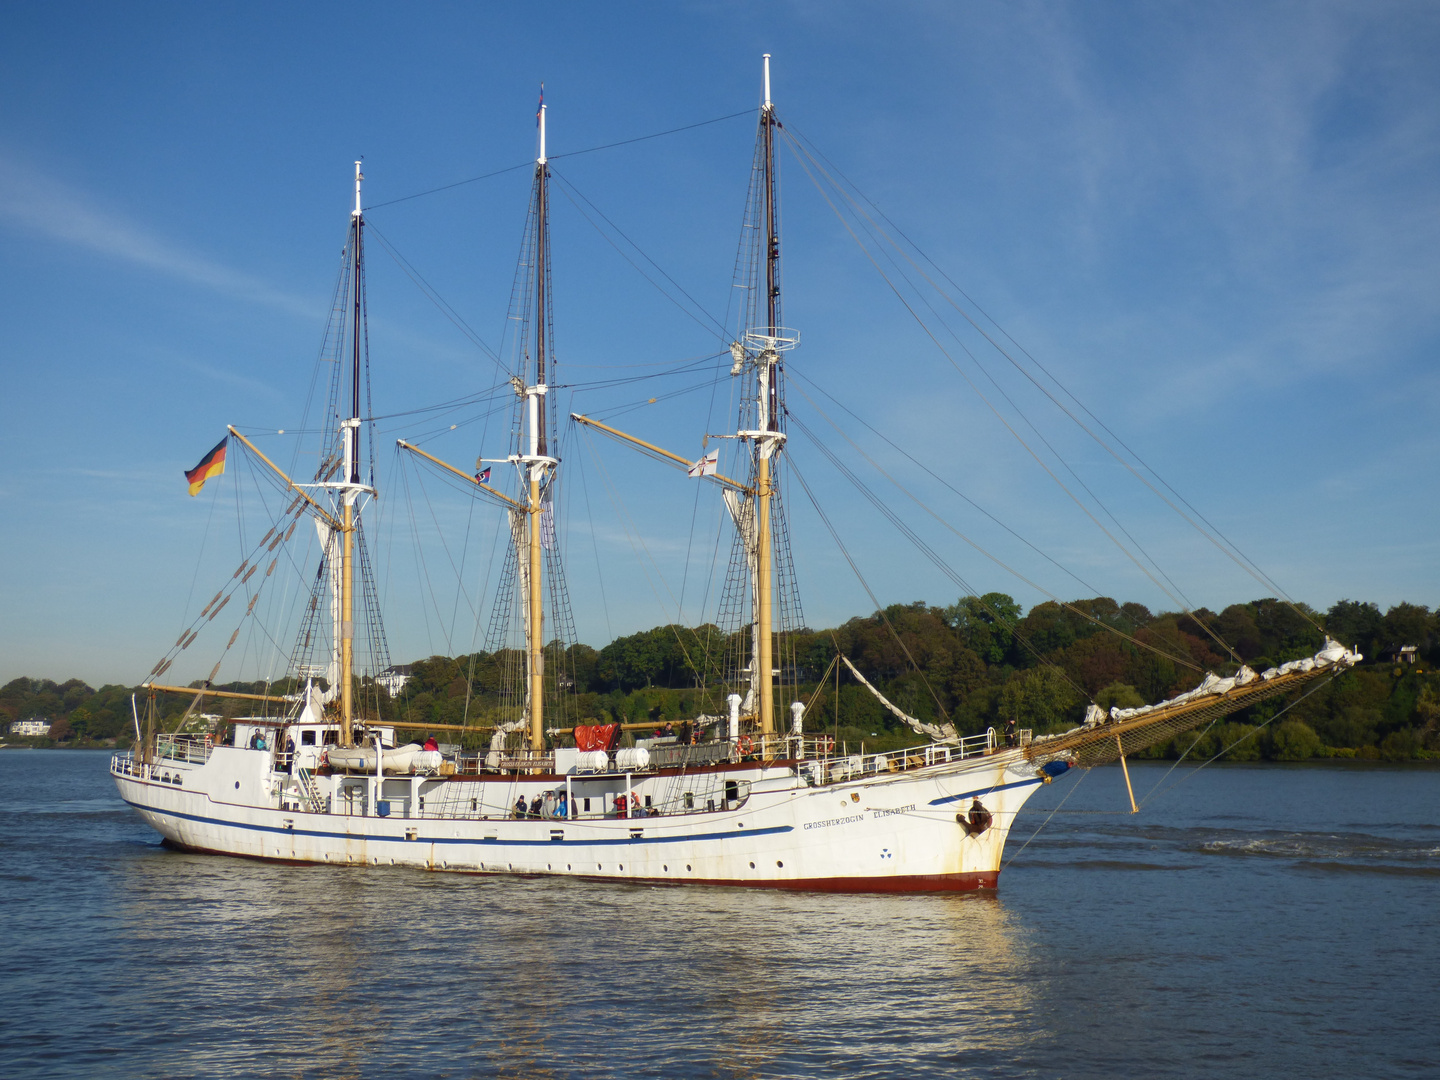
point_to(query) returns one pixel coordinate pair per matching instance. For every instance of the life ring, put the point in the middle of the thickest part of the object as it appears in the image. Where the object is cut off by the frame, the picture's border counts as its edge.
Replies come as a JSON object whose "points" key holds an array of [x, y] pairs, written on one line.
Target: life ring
{"points": [[744, 745]]}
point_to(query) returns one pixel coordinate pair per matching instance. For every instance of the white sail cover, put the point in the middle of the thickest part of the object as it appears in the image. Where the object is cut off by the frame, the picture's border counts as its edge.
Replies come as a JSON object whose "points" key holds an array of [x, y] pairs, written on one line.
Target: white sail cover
{"points": [[1212, 685], [941, 733], [330, 551], [742, 512], [520, 536]]}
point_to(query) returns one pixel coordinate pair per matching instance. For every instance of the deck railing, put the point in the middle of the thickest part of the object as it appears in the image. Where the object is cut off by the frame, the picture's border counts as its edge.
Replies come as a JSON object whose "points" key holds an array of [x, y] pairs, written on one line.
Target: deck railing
{"points": [[192, 749]]}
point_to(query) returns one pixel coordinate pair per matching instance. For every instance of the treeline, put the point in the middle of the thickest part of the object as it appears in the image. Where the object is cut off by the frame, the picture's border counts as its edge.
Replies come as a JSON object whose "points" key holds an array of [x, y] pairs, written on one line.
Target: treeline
{"points": [[976, 663]]}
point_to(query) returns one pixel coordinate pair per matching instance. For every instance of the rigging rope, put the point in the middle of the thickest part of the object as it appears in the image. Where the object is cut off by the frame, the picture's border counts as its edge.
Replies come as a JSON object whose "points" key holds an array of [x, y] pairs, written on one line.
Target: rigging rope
{"points": [[799, 151], [1213, 535], [1011, 626], [555, 157], [1157, 790]]}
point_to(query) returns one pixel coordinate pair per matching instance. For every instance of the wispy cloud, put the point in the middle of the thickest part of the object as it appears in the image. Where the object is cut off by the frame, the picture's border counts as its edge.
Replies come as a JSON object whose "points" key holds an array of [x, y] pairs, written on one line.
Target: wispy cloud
{"points": [[32, 201]]}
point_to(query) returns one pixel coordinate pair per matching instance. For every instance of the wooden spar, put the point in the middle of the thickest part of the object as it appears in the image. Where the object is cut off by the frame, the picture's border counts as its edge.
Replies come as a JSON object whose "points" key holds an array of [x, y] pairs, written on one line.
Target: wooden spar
{"points": [[451, 468], [325, 514], [623, 727], [1126, 770], [207, 692], [725, 480]]}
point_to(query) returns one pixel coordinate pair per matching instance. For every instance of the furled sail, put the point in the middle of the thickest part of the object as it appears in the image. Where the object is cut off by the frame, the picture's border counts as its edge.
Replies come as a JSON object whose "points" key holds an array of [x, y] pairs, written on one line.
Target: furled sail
{"points": [[520, 537], [941, 733], [1104, 738], [742, 512], [330, 552]]}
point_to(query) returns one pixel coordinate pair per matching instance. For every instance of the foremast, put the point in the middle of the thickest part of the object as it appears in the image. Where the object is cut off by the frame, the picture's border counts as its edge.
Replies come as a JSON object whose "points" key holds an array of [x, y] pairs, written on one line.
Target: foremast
{"points": [[762, 347]]}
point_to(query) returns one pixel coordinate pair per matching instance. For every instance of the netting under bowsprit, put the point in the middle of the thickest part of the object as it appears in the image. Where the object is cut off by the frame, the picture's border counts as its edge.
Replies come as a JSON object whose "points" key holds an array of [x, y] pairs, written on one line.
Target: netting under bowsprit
{"points": [[1104, 742]]}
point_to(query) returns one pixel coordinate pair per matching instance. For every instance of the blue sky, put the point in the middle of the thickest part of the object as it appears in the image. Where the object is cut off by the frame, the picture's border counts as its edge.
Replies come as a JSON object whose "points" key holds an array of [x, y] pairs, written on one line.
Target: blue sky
{"points": [[1219, 225]]}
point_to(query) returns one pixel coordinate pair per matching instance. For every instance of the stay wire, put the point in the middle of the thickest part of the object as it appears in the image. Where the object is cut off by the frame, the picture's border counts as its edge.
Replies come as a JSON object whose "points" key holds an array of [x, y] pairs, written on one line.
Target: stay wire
{"points": [[555, 157], [1052, 813], [999, 416], [855, 569], [567, 188], [1214, 535], [1008, 624], [1157, 790]]}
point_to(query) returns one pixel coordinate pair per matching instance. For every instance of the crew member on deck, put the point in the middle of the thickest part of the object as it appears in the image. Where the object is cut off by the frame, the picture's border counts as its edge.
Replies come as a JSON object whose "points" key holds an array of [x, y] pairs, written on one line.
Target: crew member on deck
{"points": [[431, 744], [520, 808]]}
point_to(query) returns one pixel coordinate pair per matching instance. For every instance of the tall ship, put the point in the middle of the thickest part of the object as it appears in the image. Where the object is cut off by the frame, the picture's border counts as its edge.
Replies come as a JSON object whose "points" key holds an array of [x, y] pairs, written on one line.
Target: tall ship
{"points": [[754, 794]]}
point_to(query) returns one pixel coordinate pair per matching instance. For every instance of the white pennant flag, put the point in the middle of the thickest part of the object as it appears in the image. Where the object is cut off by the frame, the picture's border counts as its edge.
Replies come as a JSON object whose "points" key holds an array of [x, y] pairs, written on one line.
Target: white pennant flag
{"points": [[708, 465]]}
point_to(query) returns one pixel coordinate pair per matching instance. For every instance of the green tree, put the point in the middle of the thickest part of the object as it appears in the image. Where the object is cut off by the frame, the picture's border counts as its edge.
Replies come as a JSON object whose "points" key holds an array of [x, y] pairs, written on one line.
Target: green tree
{"points": [[1041, 699], [985, 624], [1294, 740]]}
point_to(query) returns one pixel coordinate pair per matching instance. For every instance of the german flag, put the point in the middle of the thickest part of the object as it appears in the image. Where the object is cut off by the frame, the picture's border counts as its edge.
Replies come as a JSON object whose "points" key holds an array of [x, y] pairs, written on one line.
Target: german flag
{"points": [[212, 464]]}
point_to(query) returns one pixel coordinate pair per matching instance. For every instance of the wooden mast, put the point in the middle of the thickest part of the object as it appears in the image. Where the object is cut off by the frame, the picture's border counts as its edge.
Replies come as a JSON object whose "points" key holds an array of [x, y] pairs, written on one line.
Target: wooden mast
{"points": [[768, 428], [538, 461], [350, 430]]}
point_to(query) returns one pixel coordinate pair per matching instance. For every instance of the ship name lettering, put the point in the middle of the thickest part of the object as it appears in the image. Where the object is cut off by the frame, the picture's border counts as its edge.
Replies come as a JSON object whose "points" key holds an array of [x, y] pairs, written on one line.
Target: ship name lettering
{"points": [[835, 821], [885, 812]]}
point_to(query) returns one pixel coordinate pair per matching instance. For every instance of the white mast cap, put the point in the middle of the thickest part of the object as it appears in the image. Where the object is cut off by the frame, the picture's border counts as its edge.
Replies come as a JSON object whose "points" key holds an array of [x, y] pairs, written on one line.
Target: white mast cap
{"points": [[358, 177], [767, 80]]}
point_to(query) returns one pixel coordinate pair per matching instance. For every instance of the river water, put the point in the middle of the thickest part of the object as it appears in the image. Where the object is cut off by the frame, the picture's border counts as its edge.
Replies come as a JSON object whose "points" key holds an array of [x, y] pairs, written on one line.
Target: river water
{"points": [[1250, 922]]}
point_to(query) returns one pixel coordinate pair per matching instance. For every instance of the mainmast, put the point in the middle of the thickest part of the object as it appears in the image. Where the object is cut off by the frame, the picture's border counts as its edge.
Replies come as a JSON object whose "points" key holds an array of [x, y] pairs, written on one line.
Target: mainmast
{"points": [[351, 488], [538, 461]]}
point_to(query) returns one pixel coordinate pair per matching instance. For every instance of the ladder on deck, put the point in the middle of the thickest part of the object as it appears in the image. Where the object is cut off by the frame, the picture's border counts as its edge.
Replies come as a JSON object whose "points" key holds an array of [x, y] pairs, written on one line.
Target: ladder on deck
{"points": [[310, 790]]}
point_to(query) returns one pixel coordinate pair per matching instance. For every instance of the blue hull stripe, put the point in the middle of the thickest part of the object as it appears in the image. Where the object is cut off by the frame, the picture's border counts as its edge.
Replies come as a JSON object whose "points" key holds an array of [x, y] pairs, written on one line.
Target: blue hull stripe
{"points": [[983, 791], [458, 839]]}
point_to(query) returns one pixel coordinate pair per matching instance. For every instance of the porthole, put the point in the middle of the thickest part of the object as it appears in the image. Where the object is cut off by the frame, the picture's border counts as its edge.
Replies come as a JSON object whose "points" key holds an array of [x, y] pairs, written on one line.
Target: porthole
{"points": [[237, 785], [779, 863], [687, 866], [666, 869], [752, 866], [599, 867], [622, 867], [567, 866], [549, 867]]}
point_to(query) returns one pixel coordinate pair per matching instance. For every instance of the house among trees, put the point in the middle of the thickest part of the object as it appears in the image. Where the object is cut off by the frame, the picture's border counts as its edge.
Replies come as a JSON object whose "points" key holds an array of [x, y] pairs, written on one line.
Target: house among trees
{"points": [[36, 725], [1405, 654], [394, 678]]}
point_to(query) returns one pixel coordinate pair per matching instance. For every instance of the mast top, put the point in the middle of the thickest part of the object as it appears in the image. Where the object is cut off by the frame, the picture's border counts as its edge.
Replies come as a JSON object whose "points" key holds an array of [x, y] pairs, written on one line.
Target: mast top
{"points": [[768, 105], [540, 123], [358, 177]]}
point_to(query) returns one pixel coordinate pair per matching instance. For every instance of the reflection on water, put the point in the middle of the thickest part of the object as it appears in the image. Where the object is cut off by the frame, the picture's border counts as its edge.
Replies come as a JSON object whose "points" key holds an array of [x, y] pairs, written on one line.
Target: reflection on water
{"points": [[1195, 939]]}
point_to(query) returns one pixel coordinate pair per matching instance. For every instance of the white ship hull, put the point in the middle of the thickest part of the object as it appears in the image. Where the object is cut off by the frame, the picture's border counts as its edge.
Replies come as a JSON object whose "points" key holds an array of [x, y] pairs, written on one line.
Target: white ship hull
{"points": [[887, 831]]}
